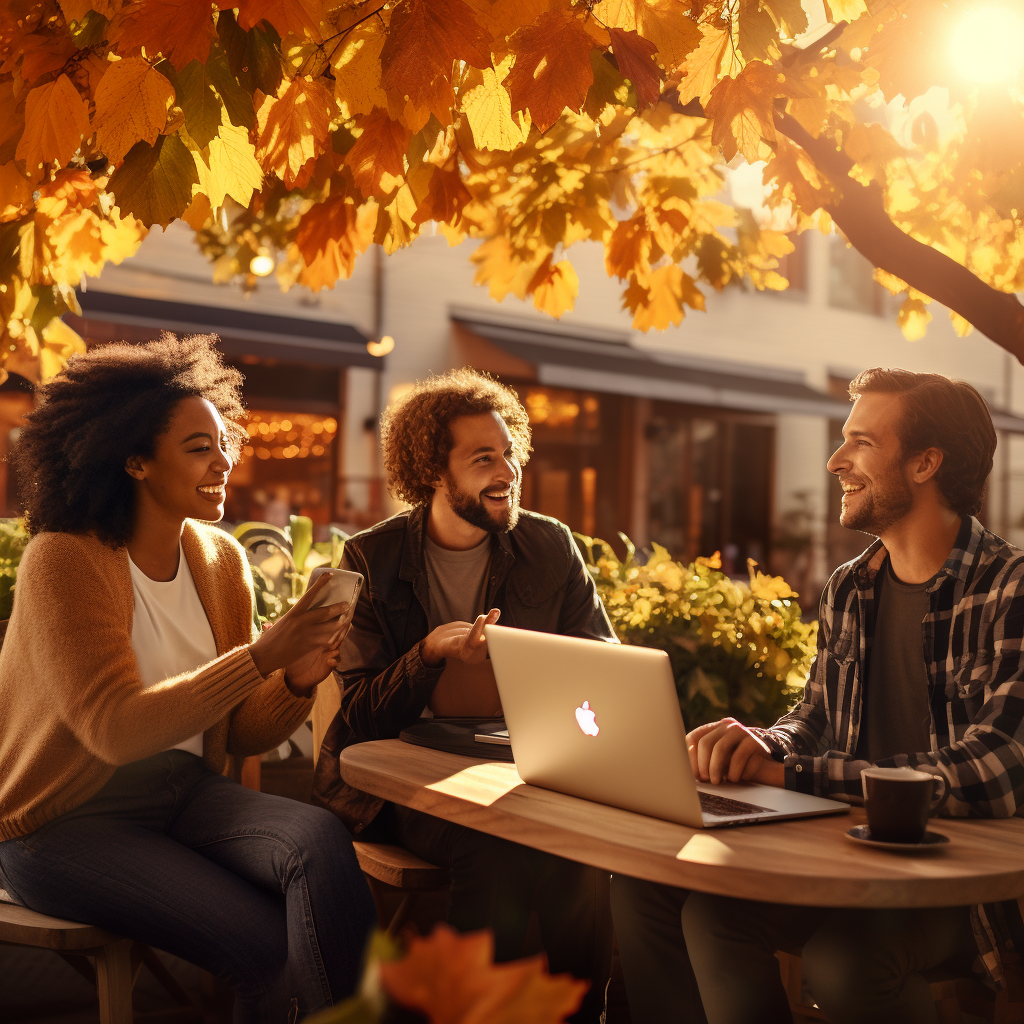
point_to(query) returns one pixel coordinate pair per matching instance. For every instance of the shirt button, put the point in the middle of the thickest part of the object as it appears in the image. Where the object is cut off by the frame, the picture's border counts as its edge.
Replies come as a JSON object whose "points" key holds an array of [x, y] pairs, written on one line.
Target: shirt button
{"points": [[799, 768]]}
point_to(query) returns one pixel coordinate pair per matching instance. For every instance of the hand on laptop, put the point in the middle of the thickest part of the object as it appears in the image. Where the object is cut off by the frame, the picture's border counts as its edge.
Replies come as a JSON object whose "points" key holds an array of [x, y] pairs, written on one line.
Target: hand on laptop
{"points": [[463, 641], [727, 751]]}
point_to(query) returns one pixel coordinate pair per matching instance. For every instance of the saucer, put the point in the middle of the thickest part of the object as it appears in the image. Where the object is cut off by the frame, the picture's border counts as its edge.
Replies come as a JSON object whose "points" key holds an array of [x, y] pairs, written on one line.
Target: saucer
{"points": [[862, 834]]}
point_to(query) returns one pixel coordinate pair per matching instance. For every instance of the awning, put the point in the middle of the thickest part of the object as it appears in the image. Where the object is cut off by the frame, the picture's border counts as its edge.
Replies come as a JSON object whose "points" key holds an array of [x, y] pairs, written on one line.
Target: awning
{"points": [[616, 367], [241, 331]]}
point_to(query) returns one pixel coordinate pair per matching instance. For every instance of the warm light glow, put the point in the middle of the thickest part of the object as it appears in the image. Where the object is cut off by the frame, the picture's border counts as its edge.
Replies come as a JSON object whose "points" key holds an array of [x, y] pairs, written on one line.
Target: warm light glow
{"points": [[262, 264], [988, 45], [382, 347]]}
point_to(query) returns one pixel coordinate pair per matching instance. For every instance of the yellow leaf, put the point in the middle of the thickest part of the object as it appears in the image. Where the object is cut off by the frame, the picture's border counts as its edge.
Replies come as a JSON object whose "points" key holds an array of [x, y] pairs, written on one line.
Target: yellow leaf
{"points": [[666, 24], [291, 127], [500, 269], [357, 71], [60, 343], [913, 318], [660, 303], [961, 327], [76, 237], [555, 287], [488, 108], [845, 10], [121, 236], [56, 121], [703, 66], [15, 192], [131, 106], [758, 38], [233, 169]]}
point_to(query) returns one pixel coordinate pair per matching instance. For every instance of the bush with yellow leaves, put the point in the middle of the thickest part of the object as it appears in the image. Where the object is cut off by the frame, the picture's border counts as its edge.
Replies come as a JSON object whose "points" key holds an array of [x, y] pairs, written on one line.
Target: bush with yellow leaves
{"points": [[737, 648]]}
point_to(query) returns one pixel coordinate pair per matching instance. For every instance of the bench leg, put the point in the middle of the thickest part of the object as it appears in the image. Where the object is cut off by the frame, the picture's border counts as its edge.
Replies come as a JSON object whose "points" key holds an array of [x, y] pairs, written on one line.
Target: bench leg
{"points": [[114, 982]]}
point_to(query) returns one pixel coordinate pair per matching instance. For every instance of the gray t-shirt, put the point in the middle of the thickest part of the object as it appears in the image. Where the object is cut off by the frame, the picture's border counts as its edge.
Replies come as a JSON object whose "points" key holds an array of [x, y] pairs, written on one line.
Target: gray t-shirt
{"points": [[456, 582], [895, 718]]}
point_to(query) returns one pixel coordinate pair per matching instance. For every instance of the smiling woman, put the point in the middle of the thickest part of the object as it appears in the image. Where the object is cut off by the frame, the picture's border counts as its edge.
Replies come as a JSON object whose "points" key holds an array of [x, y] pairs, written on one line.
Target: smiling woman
{"points": [[133, 667]]}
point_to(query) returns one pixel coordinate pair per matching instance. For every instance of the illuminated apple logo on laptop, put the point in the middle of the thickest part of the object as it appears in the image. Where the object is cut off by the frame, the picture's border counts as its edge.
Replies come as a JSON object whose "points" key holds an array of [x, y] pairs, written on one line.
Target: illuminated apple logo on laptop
{"points": [[587, 720]]}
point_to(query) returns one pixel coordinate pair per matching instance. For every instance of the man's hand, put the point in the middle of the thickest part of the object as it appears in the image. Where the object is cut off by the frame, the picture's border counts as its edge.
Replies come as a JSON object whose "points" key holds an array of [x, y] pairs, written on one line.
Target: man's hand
{"points": [[463, 641], [727, 751]]}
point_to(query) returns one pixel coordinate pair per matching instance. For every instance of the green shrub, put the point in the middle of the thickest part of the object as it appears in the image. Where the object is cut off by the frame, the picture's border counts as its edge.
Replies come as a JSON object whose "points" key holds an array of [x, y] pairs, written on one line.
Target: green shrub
{"points": [[738, 649], [13, 539]]}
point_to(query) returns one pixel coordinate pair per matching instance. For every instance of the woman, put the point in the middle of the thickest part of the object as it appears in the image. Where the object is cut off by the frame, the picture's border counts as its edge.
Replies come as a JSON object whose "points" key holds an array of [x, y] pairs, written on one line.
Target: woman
{"points": [[131, 669]]}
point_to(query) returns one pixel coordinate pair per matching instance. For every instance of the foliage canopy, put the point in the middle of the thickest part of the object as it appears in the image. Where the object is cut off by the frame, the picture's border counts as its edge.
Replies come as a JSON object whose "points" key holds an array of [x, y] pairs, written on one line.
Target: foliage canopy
{"points": [[313, 128]]}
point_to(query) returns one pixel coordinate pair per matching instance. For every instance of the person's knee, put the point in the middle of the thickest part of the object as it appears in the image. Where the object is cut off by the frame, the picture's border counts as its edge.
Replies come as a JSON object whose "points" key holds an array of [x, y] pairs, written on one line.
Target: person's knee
{"points": [[634, 899], [844, 972]]}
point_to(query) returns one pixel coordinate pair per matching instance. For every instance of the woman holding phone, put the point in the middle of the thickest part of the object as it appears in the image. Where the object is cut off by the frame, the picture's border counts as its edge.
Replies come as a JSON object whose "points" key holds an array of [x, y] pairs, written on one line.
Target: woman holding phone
{"points": [[132, 668]]}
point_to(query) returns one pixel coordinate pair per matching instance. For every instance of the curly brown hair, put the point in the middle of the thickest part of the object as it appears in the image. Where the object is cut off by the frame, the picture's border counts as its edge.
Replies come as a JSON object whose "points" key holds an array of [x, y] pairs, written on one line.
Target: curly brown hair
{"points": [[939, 412], [415, 429], [107, 405]]}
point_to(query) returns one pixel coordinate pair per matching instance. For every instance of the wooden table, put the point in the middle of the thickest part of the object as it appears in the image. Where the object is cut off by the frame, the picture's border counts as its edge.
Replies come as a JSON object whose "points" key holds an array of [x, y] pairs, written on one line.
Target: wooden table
{"points": [[808, 861]]}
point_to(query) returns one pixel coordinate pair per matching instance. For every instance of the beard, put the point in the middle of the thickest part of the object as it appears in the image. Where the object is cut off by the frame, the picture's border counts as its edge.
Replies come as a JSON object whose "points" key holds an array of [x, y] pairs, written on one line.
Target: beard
{"points": [[472, 509], [888, 501]]}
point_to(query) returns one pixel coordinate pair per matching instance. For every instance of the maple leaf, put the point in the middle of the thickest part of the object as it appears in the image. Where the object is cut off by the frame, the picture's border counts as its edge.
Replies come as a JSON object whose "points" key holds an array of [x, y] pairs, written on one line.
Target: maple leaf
{"points": [[635, 59], [554, 287], [182, 30], [741, 108], [356, 67], [231, 168], [56, 121], [60, 343], [424, 39], [15, 192], [330, 235], [704, 66], [500, 269], [300, 17], [154, 184], [291, 127], [789, 15], [552, 69], [199, 102], [76, 10], [756, 33], [131, 106], [658, 304], [445, 198], [377, 158], [395, 228], [845, 10], [797, 177], [68, 189], [628, 247], [488, 109], [666, 24], [42, 53]]}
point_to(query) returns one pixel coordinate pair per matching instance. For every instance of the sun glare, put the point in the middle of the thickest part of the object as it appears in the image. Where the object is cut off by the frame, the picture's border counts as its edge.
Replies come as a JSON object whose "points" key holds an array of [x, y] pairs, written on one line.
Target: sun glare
{"points": [[988, 45]]}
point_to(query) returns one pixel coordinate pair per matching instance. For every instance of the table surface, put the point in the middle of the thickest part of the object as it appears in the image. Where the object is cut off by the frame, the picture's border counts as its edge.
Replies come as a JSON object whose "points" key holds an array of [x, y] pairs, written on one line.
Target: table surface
{"points": [[806, 861]]}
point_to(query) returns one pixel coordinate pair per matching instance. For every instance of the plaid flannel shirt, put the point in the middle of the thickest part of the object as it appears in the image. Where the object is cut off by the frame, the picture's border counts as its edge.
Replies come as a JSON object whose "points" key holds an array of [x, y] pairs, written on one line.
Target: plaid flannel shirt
{"points": [[973, 639]]}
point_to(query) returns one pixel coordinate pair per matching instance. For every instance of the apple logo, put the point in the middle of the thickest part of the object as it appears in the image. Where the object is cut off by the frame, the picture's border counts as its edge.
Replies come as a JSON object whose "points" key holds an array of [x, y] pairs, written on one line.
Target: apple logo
{"points": [[587, 720]]}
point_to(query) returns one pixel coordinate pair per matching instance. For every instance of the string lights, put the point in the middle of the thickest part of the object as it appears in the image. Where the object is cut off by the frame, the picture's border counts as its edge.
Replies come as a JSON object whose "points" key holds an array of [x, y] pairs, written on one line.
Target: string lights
{"points": [[292, 436]]}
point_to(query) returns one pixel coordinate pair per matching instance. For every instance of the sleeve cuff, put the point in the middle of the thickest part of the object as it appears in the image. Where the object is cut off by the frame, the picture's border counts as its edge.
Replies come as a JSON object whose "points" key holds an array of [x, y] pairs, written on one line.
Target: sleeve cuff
{"points": [[800, 774]]}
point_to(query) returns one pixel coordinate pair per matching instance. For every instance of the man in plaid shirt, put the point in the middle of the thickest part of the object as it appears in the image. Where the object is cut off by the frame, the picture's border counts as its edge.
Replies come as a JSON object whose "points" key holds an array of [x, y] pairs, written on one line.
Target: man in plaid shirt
{"points": [[920, 663]]}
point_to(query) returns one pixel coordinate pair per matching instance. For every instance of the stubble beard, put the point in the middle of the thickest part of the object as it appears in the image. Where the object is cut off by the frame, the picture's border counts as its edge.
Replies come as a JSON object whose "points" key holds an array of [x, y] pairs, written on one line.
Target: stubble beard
{"points": [[471, 508], [888, 503]]}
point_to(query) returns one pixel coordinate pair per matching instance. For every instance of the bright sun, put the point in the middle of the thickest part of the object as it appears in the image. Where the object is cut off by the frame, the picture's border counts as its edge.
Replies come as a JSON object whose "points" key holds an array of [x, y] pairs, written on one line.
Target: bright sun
{"points": [[988, 45]]}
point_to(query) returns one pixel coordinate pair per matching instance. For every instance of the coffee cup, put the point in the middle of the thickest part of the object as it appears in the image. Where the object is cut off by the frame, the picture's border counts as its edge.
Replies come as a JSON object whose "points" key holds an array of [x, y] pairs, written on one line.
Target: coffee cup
{"points": [[899, 802]]}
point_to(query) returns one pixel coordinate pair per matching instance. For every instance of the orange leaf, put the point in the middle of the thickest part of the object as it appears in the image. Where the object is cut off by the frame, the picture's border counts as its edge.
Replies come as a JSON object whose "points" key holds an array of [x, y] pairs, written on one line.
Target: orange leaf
{"points": [[291, 127], [76, 10], [425, 38], [181, 30], [330, 236], [635, 56], [628, 248], [56, 121], [660, 303], [445, 198], [41, 54], [665, 23], [742, 111], [704, 64], [552, 69], [378, 152], [15, 192], [554, 288], [797, 176], [300, 17], [131, 106], [71, 188]]}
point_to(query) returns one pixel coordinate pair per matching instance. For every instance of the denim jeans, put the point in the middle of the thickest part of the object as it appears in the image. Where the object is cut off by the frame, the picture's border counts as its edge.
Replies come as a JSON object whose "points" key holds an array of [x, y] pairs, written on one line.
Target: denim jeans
{"points": [[262, 891], [692, 958]]}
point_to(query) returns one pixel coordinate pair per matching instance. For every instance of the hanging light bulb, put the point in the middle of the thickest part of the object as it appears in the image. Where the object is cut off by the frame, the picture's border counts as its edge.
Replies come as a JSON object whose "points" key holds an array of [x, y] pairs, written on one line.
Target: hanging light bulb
{"points": [[262, 264], [382, 347]]}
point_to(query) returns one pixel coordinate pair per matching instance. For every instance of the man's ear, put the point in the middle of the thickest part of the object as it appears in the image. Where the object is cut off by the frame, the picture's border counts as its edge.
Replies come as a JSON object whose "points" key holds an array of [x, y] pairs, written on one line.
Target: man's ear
{"points": [[925, 465], [133, 467]]}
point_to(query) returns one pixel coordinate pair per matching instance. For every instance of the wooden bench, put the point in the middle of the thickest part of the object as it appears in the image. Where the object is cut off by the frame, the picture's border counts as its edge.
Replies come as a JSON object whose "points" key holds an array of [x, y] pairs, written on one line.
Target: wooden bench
{"points": [[111, 962]]}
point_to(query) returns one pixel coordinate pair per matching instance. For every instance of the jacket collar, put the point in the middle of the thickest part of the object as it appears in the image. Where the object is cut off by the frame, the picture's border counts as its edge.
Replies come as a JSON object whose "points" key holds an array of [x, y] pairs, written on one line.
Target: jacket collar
{"points": [[413, 557]]}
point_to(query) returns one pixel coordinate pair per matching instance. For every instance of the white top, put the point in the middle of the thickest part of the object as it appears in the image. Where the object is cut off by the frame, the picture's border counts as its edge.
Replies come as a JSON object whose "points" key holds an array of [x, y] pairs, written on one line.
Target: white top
{"points": [[170, 631]]}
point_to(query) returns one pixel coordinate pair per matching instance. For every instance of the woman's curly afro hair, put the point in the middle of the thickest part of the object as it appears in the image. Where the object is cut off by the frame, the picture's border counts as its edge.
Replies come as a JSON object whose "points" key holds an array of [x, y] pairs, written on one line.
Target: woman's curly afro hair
{"points": [[415, 429], [109, 404]]}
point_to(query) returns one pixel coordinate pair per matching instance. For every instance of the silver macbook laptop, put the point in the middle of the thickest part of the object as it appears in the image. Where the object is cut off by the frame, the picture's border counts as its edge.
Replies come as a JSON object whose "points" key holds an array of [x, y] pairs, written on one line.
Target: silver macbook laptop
{"points": [[602, 721]]}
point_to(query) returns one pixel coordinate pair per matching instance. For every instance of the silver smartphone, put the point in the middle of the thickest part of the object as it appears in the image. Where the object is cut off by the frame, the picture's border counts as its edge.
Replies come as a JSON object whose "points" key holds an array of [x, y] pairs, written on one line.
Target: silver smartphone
{"points": [[343, 586]]}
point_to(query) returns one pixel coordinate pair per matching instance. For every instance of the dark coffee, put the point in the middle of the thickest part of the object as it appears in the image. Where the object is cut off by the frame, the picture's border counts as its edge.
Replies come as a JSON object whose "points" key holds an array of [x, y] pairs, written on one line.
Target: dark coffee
{"points": [[899, 802]]}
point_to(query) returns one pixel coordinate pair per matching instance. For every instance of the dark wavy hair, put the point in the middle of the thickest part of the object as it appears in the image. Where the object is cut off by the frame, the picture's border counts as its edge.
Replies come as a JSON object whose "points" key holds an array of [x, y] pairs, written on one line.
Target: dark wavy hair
{"points": [[109, 404], [939, 412], [415, 429]]}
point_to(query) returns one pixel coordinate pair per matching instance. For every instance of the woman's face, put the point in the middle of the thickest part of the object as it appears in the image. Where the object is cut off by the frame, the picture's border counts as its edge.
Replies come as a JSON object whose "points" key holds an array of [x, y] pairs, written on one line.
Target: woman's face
{"points": [[185, 478]]}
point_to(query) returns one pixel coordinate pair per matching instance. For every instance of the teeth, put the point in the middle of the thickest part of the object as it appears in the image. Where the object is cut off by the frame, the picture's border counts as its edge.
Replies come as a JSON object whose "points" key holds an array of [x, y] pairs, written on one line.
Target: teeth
{"points": [[851, 488], [211, 489]]}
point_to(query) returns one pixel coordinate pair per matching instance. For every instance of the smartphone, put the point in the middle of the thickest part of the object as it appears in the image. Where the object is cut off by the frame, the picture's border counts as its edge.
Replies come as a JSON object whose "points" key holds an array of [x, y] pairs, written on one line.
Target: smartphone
{"points": [[344, 586]]}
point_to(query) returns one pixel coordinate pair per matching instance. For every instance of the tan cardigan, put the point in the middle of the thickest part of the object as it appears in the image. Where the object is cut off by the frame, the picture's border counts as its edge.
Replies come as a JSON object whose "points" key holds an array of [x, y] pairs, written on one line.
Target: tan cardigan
{"points": [[72, 705]]}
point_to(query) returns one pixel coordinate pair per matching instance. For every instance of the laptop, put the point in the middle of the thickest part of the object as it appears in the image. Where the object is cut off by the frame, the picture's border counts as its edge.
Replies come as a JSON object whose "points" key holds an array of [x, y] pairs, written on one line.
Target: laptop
{"points": [[602, 721]]}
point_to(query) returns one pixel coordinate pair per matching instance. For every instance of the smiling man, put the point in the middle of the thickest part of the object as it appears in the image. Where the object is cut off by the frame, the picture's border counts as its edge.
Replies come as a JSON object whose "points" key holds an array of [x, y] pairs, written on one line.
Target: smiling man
{"points": [[465, 554], [920, 663]]}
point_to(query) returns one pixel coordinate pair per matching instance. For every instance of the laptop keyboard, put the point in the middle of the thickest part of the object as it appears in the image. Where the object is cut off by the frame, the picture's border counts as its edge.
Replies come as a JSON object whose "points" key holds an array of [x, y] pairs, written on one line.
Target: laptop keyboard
{"points": [[724, 807]]}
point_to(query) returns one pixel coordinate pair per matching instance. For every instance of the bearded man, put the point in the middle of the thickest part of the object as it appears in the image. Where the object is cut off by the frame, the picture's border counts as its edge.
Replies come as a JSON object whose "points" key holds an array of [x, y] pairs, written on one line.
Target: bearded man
{"points": [[464, 555], [920, 663]]}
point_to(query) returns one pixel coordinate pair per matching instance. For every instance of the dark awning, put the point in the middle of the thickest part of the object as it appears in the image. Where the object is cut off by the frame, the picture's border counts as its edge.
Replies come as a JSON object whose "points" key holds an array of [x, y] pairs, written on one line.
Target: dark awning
{"points": [[616, 367], [242, 331]]}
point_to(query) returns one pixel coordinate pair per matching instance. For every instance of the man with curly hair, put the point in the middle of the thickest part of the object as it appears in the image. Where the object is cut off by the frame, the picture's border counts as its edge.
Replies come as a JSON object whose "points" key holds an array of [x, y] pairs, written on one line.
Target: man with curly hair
{"points": [[464, 555]]}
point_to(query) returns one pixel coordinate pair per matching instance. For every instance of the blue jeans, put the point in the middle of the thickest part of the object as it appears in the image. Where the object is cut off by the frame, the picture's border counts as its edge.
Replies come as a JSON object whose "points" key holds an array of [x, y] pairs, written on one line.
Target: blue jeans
{"points": [[261, 891]]}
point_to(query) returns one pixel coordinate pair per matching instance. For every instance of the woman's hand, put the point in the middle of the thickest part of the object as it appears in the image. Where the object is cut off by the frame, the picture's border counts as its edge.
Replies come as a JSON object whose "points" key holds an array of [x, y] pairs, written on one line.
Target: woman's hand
{"points": [[302, 631], [302, 676]]}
